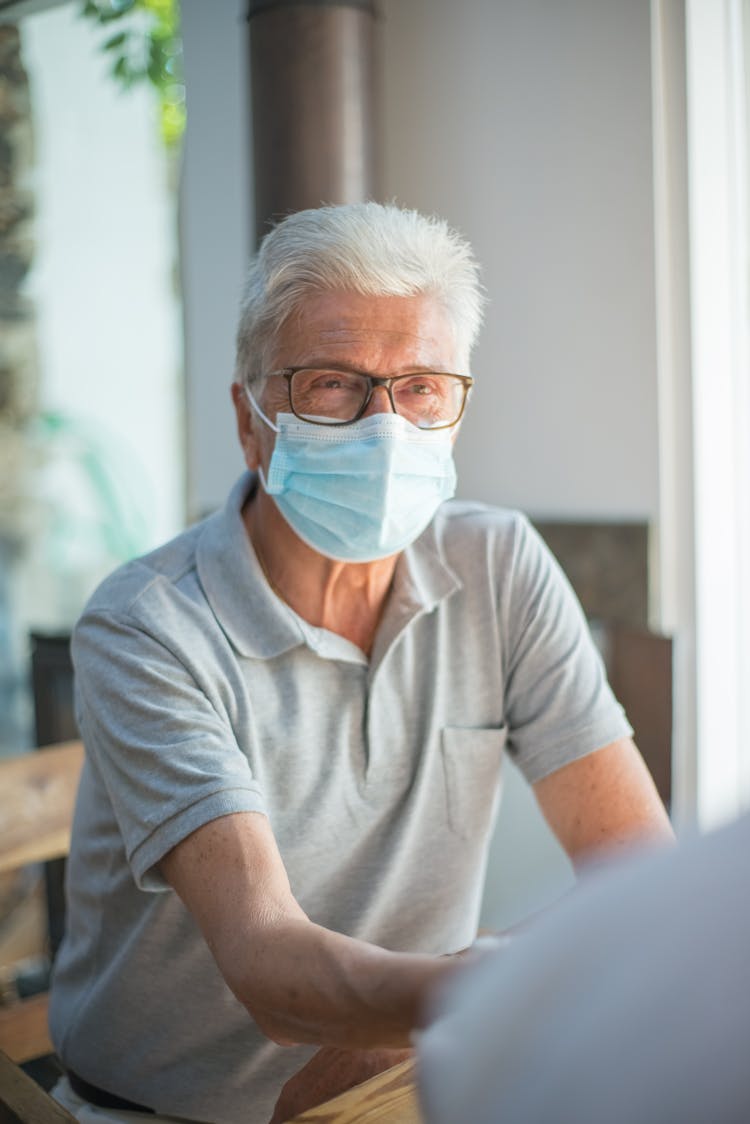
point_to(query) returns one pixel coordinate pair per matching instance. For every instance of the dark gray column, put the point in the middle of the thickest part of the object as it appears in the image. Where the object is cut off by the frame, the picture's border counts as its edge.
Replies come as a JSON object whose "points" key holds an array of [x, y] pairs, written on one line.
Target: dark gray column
{"points": [[312, 67]]}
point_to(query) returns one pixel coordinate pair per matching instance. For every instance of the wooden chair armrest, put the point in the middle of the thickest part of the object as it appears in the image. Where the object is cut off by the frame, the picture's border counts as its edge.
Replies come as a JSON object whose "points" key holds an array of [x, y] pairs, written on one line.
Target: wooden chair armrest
{"points": [[22, 1101]]}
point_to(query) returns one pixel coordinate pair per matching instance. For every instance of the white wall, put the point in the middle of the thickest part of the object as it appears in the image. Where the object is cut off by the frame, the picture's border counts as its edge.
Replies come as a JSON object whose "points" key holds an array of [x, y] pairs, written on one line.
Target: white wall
{"points": [[528, 126]]}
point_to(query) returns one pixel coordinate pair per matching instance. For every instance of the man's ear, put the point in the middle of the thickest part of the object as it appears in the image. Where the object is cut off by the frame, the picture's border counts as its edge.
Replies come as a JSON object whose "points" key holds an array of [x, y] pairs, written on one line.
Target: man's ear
{"points": [[246, 423]]}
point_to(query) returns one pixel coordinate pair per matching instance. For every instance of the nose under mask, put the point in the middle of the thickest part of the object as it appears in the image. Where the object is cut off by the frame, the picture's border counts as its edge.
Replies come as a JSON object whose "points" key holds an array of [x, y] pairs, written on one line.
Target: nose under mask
{"points": [[358, 492]]}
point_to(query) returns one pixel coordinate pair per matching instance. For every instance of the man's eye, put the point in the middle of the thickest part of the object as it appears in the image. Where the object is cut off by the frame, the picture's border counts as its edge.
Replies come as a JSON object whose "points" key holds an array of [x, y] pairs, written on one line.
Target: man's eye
{"points": [[332, 380], [419, 388]]}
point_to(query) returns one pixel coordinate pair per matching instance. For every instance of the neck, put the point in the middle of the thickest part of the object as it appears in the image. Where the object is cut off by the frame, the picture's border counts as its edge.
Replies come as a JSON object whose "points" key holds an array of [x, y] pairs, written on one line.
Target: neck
{"points": [[345, 597]]}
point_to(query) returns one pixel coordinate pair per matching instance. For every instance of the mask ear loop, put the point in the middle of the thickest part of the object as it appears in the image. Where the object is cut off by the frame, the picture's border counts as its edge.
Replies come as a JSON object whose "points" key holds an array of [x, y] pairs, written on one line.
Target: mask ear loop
{"points": [[254, 406], [251, 399]]}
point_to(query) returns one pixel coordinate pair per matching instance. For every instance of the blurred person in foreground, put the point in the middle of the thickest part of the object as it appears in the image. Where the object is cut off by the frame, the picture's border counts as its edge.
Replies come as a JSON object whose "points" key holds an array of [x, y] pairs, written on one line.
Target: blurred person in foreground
{"points": [[295, 713], [628, 1002]]}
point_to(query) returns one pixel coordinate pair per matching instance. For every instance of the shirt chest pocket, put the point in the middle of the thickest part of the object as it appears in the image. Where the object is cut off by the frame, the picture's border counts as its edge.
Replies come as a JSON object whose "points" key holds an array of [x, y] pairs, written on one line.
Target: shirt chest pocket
{"points": [[472, 760]]}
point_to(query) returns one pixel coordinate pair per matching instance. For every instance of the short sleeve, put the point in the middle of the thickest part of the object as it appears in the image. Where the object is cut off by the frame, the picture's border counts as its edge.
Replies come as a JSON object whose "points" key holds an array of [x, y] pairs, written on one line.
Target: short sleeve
{"points": [[558, 703], [163, 747]]}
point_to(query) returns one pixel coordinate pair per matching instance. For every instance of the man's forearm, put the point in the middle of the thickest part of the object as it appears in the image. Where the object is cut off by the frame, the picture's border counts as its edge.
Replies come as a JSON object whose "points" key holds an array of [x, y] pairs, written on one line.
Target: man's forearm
{"points": [[303, 983], [299, 981]]}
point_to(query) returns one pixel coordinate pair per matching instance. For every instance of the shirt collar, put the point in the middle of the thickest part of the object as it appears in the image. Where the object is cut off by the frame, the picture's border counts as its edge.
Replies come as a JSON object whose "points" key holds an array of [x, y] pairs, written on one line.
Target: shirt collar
{"points": [[260, 625], [421, 581], [257, 622]]}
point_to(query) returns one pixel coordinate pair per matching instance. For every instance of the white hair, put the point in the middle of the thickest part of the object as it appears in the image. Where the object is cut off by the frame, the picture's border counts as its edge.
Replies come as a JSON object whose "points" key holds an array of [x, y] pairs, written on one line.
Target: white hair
{"points": [[368, 248]]}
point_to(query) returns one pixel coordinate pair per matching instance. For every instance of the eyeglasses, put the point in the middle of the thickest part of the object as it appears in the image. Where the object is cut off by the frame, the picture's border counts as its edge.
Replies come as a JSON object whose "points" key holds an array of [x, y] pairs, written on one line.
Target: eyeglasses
{"points": [[331, 396]]}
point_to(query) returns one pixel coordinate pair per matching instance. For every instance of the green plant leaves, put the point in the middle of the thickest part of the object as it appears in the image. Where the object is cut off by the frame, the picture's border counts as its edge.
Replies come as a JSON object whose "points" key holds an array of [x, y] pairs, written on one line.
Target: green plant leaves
{"points": [[148, 49]]}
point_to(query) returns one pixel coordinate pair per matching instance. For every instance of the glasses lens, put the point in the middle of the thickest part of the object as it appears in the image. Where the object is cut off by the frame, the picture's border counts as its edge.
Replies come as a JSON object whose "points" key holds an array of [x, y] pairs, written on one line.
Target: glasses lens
{"points": [[327, 396], [429, 400]]}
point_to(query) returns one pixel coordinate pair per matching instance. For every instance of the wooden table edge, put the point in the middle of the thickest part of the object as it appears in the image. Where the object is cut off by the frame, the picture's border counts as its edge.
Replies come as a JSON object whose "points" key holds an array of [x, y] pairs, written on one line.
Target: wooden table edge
{"points": [[374, 1100]]}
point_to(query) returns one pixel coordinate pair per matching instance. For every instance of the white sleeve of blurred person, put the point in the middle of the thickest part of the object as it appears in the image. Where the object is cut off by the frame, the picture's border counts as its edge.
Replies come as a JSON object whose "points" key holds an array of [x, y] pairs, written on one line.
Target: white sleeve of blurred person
{"points": [[629, 1002]]}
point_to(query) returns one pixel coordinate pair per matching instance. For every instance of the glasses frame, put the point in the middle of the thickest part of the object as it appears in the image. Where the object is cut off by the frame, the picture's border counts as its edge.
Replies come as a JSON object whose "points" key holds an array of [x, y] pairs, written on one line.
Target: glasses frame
{"points": [[374, 381]]}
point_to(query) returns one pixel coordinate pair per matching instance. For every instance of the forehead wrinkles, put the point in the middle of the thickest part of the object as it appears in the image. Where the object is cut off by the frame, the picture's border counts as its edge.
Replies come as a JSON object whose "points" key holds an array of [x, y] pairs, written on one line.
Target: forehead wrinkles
{"points": [[393, 344], [379, 340], [352, 332], [365, 346], [388, 330]]}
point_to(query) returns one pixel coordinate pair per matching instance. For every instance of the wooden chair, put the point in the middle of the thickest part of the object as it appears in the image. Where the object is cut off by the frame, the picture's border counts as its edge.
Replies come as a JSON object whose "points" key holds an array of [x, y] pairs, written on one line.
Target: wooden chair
{"points": [[22, 1101], [37, 795], [639, 665]]}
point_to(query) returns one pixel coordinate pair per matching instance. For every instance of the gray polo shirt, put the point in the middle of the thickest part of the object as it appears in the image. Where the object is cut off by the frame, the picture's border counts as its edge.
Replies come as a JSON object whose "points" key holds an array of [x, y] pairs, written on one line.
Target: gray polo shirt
{"points": [[201, 693]]}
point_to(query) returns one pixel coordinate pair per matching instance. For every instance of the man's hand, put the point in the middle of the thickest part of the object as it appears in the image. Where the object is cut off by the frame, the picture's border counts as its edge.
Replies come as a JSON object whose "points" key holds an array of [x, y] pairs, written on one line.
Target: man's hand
{"points": [[329, 1072]]}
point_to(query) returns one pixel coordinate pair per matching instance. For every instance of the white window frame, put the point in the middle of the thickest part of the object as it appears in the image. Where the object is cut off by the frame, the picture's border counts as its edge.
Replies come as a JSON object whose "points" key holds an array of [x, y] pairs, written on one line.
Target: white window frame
{"points": [[705, 554]]}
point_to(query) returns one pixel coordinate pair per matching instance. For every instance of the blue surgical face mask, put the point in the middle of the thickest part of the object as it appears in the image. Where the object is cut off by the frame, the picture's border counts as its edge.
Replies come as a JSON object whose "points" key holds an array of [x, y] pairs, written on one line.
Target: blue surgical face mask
{"points": [[362, 491]]}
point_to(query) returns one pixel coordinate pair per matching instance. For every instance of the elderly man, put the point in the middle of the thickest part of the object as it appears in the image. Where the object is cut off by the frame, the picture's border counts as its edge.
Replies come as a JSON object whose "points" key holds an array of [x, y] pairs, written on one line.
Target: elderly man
{"points": [[295, 713]]}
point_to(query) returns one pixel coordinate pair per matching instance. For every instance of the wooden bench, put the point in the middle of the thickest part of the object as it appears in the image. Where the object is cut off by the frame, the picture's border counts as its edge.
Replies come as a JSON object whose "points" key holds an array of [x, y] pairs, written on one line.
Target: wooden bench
{"points": [[37, 796]]}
